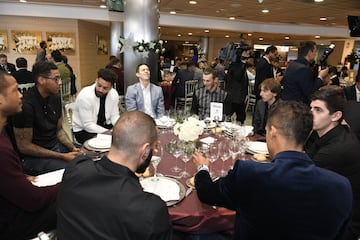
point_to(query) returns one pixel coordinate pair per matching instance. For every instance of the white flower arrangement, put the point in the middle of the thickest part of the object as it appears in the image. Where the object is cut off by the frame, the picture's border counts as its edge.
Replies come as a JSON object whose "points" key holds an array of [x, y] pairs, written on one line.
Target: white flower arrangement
{"points": [[155, 46], [190, 129]]}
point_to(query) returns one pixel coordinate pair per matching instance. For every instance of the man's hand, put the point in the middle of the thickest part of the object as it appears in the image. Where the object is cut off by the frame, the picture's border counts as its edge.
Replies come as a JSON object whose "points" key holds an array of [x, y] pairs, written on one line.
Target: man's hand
{"points": [[69, 156], [200, 159], [323, 73]]}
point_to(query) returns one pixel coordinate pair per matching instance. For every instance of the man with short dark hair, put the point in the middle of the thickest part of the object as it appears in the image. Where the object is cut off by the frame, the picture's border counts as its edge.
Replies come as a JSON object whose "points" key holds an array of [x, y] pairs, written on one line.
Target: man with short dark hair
{"points": [[38, 129], [334, 146], [5, 65], [264, 68], [25, 208], [210, 92], [288, 198], [104, 199], [96, 107], [352, 93], [22, 75], [300, 81], [41, 55]]}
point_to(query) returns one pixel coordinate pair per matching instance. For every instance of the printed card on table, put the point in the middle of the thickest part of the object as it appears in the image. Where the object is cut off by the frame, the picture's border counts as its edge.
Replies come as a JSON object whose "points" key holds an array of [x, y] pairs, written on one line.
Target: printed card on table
{"points": [[216, 111]]}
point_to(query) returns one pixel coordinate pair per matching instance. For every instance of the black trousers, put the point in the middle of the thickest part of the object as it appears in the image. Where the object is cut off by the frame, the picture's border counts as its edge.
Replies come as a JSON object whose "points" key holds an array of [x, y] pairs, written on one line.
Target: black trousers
{"points": [[27, 225]]}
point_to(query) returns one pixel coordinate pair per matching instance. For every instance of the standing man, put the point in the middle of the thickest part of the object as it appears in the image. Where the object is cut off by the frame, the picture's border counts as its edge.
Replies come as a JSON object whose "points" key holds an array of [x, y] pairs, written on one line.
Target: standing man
{"points": [[38, 129], [300, 81], [264, 68], [104, 199], [334, 146], [288, 198], [210, 92], [5, 66], [145, 96], [40, 56], [25, 208], [96, 107]]}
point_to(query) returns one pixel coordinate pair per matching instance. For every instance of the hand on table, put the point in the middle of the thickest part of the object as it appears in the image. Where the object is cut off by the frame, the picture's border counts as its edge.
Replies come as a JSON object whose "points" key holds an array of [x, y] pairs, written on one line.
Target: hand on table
{"points": [[200, 159], [70, 155]]}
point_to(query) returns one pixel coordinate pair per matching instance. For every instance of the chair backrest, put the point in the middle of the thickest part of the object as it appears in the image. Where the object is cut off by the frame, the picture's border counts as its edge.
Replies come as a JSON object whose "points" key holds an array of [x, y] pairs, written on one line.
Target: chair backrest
{"points": [[24, 87], [69, 108], [65, 91], [222, 84], [190, 88]]}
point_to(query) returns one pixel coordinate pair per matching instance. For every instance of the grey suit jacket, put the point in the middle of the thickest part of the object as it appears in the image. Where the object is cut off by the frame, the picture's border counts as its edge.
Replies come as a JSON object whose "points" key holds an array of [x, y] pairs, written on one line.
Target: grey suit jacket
{"points": [[135, 100]]}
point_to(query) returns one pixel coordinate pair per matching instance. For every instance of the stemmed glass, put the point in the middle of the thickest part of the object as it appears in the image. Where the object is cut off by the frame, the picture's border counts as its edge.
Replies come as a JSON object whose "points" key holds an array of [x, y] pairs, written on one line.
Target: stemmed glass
{"points": [[224, 155], [176, 152], [207, 123], [233, 149], [188, 150], [213, 155], [155, 160]]}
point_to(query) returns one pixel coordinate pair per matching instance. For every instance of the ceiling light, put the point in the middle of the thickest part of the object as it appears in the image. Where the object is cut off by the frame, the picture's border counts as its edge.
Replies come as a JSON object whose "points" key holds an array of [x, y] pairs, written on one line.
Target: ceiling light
{"points": [[103, 6], [317, 1], [265, 11], [187, 42], [206, 30], [193, 2], [249, 34], [172, 12], [23, 1], [323, 18], [179, 35], [317, 36], [286, 37], [232, 18], [261, 39], [227, 36], [190, 33]]}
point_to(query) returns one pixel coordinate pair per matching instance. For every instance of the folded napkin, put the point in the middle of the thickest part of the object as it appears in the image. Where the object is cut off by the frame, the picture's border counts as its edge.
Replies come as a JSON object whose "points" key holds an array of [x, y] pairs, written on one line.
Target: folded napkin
{"points": [[208, 140], [48, 179], [166, 189]]}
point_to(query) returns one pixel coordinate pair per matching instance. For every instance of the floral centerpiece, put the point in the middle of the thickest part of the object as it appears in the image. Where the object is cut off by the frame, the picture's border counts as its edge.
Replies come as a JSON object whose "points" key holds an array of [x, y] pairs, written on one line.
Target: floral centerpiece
{"points": [[189, 129]]}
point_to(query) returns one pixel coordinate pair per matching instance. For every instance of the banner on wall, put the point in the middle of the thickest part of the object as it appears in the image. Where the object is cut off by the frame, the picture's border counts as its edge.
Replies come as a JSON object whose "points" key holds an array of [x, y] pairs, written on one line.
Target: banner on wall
{"points": [[25, 42], [4, 47], [65, 42]]}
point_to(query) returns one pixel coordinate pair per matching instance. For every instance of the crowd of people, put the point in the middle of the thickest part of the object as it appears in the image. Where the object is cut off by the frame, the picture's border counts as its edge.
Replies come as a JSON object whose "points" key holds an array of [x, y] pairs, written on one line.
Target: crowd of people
{"points": [[311, 187]]}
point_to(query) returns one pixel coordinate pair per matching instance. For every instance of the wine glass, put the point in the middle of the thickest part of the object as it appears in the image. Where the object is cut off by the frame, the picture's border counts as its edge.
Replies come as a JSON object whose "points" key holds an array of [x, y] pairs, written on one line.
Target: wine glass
{"points": [[176, 152], [233, 149], [188, 150], [224, 155], [155, 160], [207, 123], [213, 155]]}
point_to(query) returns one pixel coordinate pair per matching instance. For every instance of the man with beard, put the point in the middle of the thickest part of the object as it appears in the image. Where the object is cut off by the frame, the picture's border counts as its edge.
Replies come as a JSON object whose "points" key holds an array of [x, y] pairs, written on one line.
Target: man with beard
{"points": [[96, 107], [104, 199]]}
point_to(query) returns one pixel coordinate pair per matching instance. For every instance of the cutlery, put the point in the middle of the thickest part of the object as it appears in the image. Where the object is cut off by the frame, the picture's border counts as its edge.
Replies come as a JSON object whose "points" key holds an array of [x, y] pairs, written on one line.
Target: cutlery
{"points": [[188, 191], [173, 176]]}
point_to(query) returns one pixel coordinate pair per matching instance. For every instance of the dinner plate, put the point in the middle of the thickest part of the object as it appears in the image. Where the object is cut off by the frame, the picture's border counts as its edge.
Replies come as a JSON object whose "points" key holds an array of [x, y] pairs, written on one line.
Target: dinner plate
{"points": [[147, 184], [169, 123], [99, 143], [88, 147], [257, 147]]}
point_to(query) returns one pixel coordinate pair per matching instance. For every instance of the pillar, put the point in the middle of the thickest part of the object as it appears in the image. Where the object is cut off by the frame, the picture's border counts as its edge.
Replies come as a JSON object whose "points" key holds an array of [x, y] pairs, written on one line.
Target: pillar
{"points": [[141, 22], [204, 45], [116, 31]]}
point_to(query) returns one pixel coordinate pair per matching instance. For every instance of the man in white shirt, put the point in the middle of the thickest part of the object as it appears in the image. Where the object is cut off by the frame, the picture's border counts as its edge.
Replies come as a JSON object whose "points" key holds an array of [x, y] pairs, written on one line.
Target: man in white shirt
{"points": [[96, 107], [145, 96]]}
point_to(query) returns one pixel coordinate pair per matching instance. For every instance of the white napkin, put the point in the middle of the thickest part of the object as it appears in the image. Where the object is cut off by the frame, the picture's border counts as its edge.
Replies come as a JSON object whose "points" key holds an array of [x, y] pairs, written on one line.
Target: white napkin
{"points": [[258, 147], [50, 178], [166, 189], [208, 140]]}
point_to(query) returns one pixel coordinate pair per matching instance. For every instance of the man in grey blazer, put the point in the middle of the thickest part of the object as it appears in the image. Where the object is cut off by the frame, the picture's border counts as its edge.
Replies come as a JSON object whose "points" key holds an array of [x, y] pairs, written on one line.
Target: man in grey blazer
{"points": [[145, 96]]}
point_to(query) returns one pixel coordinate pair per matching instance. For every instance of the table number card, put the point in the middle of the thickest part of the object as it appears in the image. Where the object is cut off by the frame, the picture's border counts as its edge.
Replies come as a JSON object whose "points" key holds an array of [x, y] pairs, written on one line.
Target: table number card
{"points": [[216, 111]]}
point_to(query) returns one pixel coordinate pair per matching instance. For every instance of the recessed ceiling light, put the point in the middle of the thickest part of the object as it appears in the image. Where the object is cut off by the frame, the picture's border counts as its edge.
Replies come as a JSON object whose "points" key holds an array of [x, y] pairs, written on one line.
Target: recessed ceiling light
{"points": [[317, 36], [179, 35], [187, 42], [206, 30], [23, 1], [190, 33], [286, 37], [103, 6], [261, 39], [172, 12], [159, 27], [232, 18], [193, 2], [227, 36], [323, 18], [317, 1], [265, 11], [249, 34]]}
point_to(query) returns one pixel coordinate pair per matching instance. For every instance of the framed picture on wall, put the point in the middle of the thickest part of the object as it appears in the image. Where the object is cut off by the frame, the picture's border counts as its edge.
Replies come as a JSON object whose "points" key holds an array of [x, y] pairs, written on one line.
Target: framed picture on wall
{"points": [[65, 42], [102, 45], [4, 47], [25, 42]]}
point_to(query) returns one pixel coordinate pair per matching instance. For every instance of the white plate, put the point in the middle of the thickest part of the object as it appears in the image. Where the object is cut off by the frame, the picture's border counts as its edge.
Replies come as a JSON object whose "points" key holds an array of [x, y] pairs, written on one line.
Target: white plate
{"points": [[211, 125], [168, 123], [99, 143], [168, 189], [258, 147]]}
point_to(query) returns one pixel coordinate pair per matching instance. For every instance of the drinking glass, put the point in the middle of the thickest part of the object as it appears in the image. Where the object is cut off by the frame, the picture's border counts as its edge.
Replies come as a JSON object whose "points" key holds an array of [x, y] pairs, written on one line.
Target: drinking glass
{"points": [[213, 155], [155, 160], [224, 155], [176, 152], [233, 149], [188, 150]]}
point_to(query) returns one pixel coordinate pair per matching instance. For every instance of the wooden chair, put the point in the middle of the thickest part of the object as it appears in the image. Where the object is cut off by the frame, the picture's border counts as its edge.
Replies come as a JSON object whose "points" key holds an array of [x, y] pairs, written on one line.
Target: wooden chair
{"points": [[25, 86], [187, 99]]}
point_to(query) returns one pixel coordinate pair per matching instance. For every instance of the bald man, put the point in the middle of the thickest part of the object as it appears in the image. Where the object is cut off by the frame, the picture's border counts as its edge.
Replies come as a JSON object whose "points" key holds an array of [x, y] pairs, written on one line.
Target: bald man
{"points": [[104, 199]]}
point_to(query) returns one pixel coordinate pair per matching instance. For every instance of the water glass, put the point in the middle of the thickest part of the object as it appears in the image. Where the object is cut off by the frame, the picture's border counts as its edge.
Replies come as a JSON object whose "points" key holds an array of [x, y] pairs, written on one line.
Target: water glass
{"points": [[155, 160], [224, 155]]}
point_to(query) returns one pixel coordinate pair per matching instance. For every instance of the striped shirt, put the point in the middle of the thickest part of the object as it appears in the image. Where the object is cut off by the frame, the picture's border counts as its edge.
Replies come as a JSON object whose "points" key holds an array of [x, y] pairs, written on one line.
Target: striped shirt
{"points": [[202, 99]]}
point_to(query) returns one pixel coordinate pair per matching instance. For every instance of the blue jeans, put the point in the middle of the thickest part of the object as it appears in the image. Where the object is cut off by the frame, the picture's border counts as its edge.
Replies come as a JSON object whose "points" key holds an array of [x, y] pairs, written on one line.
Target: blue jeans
{"points": [[36, 165]]}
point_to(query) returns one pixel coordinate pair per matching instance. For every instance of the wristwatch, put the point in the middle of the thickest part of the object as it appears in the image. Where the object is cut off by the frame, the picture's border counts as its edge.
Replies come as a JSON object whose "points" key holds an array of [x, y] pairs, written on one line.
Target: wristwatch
{"points": [[202, 167]]}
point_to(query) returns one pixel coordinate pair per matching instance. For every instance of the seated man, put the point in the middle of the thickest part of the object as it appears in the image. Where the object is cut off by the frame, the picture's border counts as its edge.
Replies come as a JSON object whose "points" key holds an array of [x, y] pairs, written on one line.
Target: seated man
{"points": [[38, 129], [25, 208], [145, 96], [210, 92], [288, 198], [22, 75], [181, 77], [353, 92], [104, 199], [270, 94], [334, 146], [96, 107]]}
